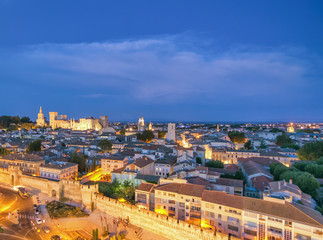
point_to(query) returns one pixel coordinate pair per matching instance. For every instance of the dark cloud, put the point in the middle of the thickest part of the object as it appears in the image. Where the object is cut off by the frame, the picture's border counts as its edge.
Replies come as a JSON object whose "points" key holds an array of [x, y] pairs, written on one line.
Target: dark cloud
{"points": [[162, 72]]}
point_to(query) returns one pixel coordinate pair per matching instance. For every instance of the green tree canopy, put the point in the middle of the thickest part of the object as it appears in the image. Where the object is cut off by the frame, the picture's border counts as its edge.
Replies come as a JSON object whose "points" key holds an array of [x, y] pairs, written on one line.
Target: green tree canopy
{"points": [[215, 164], [145, 136], [25, 120], [283, 140], [279, 169], [311, 151], [34, 146], [161, 134], [263, 144], [4, 152], [80, 160], [248, 145], [198, 160], [105, 145], [122, 132], [305, 181], [237, 137], [276, 130]]}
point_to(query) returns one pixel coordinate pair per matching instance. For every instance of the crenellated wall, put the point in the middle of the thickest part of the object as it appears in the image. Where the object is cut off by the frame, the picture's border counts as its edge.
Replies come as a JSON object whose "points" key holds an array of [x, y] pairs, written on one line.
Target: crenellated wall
{"points": [[157, 223], [86, 194]]}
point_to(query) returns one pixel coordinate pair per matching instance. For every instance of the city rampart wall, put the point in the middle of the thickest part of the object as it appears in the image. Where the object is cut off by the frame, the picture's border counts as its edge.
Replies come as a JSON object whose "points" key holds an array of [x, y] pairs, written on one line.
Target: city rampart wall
{"points": [[157, 223], [87, 194]]}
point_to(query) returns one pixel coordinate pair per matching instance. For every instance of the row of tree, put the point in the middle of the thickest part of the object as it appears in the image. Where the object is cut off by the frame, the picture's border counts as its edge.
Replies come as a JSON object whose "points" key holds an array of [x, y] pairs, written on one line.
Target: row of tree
{"points": [[304, 180], [145, 136], [6, 121], [117, 190]]}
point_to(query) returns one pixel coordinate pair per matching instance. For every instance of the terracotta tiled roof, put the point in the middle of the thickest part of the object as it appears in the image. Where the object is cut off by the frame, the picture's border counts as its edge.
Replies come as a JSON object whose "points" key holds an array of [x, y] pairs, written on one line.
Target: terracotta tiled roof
{"points": [[183, 188], [145, 187], [290, 211], [261, 182], [222, 199], [143, 161]]}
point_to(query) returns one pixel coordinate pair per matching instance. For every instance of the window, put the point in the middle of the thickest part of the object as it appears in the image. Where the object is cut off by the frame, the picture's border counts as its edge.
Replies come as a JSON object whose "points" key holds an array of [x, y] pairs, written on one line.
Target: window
{"points": [[233, 228], [250, 232]]}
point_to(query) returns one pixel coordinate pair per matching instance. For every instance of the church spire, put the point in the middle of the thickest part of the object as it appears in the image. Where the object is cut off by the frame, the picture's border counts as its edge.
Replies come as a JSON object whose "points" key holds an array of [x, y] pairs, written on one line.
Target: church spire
{"points": [[40, 110]]}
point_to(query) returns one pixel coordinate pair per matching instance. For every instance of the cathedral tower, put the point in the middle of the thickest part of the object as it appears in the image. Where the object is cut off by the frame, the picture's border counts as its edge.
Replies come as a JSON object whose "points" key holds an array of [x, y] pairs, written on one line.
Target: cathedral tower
{"points": [[40, 120]]}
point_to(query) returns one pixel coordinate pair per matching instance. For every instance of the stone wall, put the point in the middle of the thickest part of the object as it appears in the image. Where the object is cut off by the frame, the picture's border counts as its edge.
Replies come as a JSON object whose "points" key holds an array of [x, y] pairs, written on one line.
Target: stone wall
{"points": [[86, 194], [157, 223]]}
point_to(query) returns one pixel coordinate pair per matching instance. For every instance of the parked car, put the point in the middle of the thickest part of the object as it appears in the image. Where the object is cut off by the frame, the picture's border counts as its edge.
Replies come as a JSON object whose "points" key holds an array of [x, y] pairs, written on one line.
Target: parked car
{"points": [[38, 221], [36, 211], [35, 206], [55, 237], [46, 229]]}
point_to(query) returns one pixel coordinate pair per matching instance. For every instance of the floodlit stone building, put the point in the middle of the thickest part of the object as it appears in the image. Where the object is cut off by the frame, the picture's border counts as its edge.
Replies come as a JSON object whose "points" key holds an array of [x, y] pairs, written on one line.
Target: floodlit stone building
{"points": [[61, 121]]}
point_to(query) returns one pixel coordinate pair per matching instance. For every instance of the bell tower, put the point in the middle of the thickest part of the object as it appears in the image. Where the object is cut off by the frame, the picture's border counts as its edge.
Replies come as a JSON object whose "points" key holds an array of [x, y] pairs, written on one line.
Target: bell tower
{"points": [[40, 120]]}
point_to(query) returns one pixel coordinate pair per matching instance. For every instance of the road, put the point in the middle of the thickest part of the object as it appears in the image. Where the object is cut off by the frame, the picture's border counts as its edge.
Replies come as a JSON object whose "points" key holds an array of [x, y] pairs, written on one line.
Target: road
{"points": [[11, 202]]}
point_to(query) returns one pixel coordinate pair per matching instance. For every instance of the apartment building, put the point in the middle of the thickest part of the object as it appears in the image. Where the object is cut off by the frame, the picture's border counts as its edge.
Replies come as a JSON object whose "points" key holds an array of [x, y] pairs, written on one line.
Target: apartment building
{"points": [[231, 156], [28, 163], [113, 162], [145, 196], [250, 218], [180, 200], [59, 170]]}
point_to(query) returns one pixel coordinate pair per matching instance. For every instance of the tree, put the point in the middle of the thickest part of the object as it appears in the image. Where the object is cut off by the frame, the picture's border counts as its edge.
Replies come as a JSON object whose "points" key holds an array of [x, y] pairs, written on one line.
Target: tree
{"points": [[314, 169], [263, 144], [105, 145], [248, 145], [305, 181], [1, 230], [161, 134], [25, 120], [80, 160], [145, 136], [276, 130], [122, 132], [215, 164], [34, 146], [311, 151], [283, 140], [198, 160], [279, 169], [301, 165], [237, 137], [4, 152]]}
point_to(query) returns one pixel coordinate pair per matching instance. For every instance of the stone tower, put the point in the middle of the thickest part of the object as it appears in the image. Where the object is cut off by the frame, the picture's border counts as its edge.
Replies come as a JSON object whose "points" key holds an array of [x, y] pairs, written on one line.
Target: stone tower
{"points": [[52, 119], [104, 121], [40, 120], [141, 124], [150, 127], [171, 131]]}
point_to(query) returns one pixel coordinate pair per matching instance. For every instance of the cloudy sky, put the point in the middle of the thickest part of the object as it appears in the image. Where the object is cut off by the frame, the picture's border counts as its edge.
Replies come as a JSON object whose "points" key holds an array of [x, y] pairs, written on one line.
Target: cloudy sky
{"points": [[168, 60]]}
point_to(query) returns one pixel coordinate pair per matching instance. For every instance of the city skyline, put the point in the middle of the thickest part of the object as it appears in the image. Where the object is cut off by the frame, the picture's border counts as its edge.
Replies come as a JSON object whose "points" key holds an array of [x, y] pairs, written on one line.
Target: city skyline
{"points": [[217, 62]]}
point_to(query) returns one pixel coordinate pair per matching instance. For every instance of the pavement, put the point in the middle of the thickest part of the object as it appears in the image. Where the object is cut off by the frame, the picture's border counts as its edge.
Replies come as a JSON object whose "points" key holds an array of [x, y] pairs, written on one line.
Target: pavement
{"points": [[11, 207]]}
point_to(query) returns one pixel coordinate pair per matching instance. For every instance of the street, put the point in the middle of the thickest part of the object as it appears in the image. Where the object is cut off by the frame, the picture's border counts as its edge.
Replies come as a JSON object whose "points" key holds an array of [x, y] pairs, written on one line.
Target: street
{"points": [[19, 208]]}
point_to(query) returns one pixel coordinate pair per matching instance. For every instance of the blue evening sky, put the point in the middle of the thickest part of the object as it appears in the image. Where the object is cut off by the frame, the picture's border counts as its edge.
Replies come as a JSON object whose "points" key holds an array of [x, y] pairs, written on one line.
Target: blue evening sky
{"points": [[168, 60]]}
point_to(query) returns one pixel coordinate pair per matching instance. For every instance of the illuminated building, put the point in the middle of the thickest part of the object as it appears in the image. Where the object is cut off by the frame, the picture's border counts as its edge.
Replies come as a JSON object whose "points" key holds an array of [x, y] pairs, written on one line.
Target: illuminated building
{"points": [[59, 170], [141, 124], [290, 128], [90, 123], [41, 120]]}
